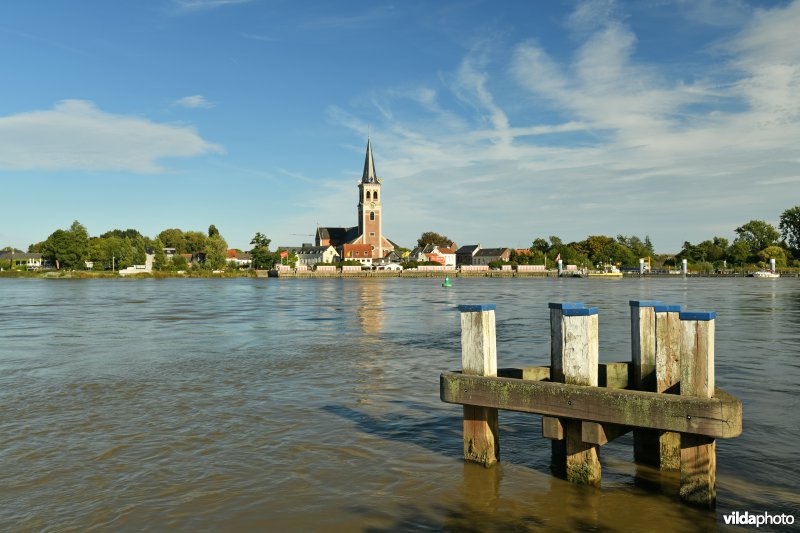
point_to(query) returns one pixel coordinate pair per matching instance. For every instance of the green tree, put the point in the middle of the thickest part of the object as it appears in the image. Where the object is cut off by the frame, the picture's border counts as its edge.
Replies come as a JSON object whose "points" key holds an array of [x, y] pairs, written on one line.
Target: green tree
{"points": [[68, 248], [216, 252], [213, 231], [35, 248], [179, 262], [773, 252], [758, 234], [739, 252], [262, 257], [194, 241], [649, 245], [173, 238], [790, 229], [159, 259], [431, 237], [540, 244]]}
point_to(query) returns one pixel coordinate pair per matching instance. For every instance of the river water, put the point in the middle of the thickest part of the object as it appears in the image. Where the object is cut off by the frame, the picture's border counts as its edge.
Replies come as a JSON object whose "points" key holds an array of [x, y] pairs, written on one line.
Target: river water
{"points": [[241, 404]]}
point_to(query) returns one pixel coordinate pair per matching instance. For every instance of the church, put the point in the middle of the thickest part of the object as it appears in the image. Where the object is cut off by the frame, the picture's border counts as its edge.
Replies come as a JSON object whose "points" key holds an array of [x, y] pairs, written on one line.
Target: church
{"points": [[367, 238]]}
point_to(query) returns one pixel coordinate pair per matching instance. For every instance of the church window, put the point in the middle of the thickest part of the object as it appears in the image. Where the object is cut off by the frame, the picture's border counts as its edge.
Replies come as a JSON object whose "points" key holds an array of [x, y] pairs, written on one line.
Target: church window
{"points": [[371, 233], [367, 195], [372, 215], [376, 195]]}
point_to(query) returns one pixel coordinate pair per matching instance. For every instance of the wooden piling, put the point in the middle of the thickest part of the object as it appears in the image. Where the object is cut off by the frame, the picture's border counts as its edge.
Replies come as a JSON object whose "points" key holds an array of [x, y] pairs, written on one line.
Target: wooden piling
{"points": [[643, 355], [698, 453], [574, 358], [668, 376], [479, 358]]}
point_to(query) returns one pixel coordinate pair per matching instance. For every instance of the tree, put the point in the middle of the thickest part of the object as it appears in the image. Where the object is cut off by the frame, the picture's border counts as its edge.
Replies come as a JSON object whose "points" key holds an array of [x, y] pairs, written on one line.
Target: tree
{"points": [[159, 259], [758, 234], [216, 252], [649, 245], [262, 257], [173, 238], [790, 229], [213, 231], [739, 252], [430, 237], [773, 252], [540, 245], [194, 241], [68, 248]]}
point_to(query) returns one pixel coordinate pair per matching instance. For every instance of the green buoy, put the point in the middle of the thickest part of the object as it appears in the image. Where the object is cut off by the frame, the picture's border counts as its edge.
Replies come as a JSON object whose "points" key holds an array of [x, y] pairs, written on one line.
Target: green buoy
{"points": [[446, 282]]}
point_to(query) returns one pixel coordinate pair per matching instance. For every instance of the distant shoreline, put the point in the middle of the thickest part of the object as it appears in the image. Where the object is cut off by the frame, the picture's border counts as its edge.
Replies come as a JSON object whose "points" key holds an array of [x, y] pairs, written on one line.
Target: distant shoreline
{"points": [[77, 274]]}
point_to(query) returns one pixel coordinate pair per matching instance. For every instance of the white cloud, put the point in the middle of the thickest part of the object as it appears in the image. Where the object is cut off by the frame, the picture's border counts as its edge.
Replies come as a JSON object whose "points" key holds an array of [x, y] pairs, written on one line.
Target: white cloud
{"points": [[635, 150], [76, 135], [195, 102], [205, 5]]}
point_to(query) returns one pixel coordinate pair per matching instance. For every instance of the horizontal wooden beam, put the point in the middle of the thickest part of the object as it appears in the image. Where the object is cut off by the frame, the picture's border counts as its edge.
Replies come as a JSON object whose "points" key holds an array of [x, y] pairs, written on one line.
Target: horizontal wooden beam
{"points": [[718, 417], [601, 433], [552, 428], [535, 373]]}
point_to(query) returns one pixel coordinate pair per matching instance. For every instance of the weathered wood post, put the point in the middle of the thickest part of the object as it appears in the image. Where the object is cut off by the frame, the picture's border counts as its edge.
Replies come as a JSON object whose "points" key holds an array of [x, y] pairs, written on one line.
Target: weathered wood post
{"points": [[698, 452], [668, 376], [479, 358], [643, 355], [574, 357]]}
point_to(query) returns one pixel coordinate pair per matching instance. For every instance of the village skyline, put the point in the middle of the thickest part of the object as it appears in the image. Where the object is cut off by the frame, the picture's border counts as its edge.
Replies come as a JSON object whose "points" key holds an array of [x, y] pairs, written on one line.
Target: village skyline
{"points": [[489, 124]]}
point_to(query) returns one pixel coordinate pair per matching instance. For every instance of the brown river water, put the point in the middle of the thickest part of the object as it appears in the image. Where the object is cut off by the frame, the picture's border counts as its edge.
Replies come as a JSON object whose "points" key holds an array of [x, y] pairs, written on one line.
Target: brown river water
{"points": [[313, 405]]}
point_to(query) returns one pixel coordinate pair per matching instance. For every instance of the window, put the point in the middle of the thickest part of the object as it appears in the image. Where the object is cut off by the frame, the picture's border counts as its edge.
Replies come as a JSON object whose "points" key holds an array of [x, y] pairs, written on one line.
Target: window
{"points": [[372, 215], [371, 233], [367, 195], [376, 195]]}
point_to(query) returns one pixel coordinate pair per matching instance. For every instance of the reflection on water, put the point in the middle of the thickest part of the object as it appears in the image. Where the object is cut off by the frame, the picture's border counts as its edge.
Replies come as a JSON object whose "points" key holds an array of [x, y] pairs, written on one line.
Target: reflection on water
{"points": [[297, 404]]}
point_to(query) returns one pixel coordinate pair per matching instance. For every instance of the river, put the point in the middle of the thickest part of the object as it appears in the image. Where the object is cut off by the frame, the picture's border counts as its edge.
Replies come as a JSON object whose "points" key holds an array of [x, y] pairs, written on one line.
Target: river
{"points": [[271, 404]]}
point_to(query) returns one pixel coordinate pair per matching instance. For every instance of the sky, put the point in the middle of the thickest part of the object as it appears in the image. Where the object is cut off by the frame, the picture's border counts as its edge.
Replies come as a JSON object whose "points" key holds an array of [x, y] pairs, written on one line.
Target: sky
{"points": [[491, 122]]}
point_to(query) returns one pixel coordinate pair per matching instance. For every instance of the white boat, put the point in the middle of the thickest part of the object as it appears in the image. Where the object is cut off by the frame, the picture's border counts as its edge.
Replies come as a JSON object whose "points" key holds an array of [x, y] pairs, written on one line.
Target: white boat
{"points": [[766, 274]]}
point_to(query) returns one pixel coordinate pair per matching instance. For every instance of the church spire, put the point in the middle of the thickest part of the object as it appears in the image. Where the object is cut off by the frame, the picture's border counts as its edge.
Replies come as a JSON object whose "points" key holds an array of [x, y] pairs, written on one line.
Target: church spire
{"points": [[369, 175]]}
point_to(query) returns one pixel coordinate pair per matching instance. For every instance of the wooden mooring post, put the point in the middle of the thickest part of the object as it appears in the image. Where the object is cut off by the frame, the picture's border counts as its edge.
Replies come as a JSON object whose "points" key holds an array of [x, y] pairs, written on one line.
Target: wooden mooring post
{"points": [[479, 358], [586, 404]]}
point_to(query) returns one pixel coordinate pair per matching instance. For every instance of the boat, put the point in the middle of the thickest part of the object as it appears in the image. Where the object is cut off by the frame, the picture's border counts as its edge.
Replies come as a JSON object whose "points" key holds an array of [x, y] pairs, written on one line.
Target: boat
{"points": [[612, 272], [768, 274]]}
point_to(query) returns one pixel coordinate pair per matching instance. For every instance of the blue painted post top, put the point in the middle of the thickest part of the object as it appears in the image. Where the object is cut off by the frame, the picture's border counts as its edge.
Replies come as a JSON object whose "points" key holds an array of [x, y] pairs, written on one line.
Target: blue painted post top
{"points": [[645, 303], [698, 315], [566, 305], [478, 308], [667, 308], [583, 311]]}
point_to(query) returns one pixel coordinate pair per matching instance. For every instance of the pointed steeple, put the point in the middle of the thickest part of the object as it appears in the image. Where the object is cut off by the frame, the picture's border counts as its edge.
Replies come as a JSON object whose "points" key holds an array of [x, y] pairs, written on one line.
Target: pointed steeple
{"points": [[369, 175]]}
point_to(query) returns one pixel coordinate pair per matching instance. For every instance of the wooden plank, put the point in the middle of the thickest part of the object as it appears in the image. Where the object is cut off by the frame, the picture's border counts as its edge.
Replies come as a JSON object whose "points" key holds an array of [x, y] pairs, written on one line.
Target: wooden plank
{"points": [[552, 428], [479, 358], [719, 416], [614, 375], [600, 434], [643, 361], [536, 373], [668, 377], [698, 453]]}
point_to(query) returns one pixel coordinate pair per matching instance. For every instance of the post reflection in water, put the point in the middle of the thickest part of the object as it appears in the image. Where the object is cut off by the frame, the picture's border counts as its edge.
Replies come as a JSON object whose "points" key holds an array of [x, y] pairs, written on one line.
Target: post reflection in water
{"points": [[370, 306]]}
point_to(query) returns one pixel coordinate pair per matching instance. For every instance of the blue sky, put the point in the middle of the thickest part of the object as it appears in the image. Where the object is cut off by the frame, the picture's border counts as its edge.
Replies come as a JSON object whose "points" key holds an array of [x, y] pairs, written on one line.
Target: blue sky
{"points": [[491, 122]]}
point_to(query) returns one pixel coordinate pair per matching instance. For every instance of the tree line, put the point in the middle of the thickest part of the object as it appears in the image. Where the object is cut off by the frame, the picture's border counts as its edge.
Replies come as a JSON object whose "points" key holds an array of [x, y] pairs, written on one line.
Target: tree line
{"points": [[73, 249], [756, 243]]}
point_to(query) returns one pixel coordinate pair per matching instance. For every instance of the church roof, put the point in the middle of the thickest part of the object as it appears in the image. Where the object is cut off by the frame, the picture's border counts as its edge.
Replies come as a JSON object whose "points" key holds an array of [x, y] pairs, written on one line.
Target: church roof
{"points": [[338, 235], [369, 175]]}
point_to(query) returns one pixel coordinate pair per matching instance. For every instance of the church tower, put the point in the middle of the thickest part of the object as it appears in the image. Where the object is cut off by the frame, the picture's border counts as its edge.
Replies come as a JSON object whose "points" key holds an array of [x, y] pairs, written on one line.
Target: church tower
{"points": [[369, 206]]}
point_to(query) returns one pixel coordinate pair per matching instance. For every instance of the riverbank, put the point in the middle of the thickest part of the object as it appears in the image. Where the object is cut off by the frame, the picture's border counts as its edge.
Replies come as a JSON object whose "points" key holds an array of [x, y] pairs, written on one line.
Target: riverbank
{"points": [[84, 274]]}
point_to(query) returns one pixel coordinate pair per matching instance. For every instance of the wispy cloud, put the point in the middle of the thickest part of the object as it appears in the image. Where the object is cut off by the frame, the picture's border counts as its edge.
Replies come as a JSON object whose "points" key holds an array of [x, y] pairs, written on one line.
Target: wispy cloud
{"points": [[76, 135], [205, 5], [633, 142], [351, 20], [195, 102]]}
